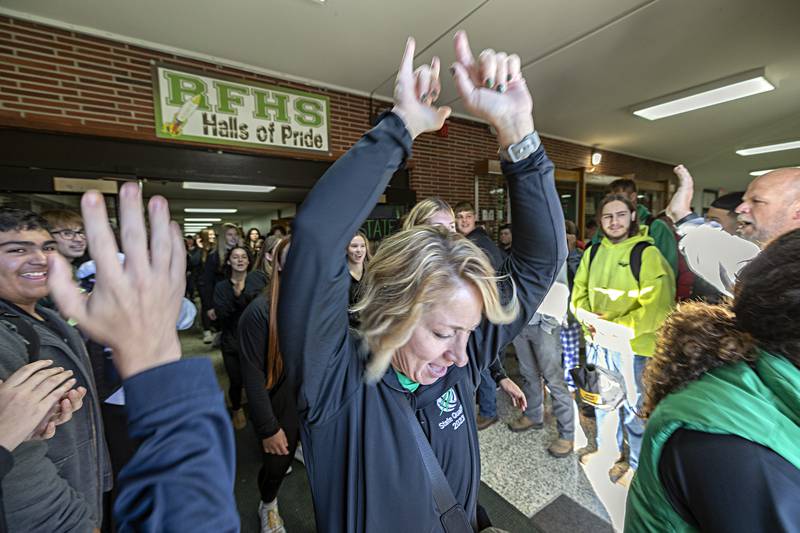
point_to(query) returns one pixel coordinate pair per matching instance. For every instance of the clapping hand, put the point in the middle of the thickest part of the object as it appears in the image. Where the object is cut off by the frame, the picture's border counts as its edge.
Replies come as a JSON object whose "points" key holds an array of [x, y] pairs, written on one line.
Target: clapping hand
{"points": [[30, 400]]}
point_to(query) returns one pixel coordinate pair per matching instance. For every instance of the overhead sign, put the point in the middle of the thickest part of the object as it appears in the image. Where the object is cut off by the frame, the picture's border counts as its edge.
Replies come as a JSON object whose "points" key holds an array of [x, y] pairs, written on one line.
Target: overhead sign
{"points": [[193, 106]]}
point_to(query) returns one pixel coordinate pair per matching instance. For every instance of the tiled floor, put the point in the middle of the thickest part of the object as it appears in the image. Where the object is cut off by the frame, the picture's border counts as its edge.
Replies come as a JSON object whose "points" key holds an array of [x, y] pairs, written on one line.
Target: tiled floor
{"points": [[515, 465], [518, 467]]}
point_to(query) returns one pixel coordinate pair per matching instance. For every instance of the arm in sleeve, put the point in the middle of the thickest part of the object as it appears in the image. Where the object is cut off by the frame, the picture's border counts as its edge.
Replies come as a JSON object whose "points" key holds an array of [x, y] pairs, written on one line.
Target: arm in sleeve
{"points": [[722, 483], [497, 371], [713, 254], [253, 336], [208, 279], [226, 303], [181, 477], [6, 464], [315, 342], [579, 300], [665, 242], [656, 295], [37, 498], [538, 250]]}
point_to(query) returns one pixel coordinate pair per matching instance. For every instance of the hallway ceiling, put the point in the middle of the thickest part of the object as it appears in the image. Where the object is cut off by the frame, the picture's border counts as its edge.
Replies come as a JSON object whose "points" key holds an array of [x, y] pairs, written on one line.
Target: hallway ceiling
{"points": [[587, 62]]}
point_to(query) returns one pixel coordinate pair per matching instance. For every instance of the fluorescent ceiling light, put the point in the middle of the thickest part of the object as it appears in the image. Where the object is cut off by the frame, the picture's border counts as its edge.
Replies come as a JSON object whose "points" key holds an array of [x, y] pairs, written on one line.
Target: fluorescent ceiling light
{"points": [[202, 220], [780, 147], [716, 92], [227, 187], [208, 210], [757, 173]]}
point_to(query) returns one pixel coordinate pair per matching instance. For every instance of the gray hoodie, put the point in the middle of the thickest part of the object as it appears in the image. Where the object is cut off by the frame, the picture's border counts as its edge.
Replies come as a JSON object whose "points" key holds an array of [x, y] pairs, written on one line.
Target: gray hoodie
{"points": [[56, 485]]}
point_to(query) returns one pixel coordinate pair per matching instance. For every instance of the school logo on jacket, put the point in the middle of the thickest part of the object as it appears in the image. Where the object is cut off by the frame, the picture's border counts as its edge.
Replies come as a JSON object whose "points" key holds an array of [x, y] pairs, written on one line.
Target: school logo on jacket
{"points": [[448, 403]]}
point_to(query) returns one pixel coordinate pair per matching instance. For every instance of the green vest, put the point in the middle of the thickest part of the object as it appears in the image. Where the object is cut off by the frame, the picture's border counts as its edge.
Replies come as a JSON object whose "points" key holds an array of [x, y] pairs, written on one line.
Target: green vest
{"points": [[761, 405]]}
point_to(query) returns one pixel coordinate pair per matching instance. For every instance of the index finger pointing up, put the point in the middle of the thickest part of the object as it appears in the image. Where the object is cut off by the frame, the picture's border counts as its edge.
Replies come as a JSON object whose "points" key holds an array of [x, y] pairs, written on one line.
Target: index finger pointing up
{"points": [[406, 72], [464, 53]]}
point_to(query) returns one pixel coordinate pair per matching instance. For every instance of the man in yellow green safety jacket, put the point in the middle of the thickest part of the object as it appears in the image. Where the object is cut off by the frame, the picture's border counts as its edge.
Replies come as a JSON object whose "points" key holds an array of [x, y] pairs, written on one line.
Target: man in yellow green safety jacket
{"points": [[623, 291]]}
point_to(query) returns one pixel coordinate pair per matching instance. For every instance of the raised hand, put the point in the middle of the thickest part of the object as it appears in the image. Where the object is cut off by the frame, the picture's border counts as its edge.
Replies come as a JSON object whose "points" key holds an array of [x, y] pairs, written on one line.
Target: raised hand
{"points": [[681, 203], [133, 308], [494, 90], [415, 92], [28, 399]]}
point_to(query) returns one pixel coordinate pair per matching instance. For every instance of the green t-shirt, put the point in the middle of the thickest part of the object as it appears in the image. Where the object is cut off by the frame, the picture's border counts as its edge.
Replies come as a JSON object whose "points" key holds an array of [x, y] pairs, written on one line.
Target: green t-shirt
{"points": [[407, 383]]}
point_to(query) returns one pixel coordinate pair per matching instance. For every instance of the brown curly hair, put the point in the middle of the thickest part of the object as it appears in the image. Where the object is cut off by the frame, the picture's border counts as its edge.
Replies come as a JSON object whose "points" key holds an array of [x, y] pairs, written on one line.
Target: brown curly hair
{"points": [[763, 315]]}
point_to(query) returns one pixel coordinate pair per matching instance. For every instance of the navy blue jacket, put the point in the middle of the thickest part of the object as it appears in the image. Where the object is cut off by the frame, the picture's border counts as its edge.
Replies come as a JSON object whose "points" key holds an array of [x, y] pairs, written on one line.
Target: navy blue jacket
{"points": [[363, 464], [181, 478]]}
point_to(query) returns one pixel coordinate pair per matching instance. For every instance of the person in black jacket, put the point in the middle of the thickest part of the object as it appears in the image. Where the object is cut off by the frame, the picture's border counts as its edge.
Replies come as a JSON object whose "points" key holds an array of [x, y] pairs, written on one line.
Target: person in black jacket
{"points": [[272, 405], [214, 270], [229, 303], [465, 224], [431, 317]]}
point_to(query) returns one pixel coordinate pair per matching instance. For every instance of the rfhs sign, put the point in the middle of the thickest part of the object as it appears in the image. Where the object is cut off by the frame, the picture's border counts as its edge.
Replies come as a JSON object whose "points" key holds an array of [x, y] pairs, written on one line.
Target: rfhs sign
{"points": [[194, 107]]}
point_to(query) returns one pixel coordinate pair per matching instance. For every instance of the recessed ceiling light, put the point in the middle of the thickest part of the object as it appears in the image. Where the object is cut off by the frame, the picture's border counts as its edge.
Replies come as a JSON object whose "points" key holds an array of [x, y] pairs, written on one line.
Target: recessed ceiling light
{"points": [[780, 147], [202, 220], [709, 94], [227, 187], [762, 172], [208, 210]]}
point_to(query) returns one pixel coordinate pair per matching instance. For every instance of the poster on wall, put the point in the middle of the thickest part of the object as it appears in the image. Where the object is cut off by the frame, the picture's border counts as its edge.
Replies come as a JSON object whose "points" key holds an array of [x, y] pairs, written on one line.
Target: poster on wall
{"points": [[195, 106]]}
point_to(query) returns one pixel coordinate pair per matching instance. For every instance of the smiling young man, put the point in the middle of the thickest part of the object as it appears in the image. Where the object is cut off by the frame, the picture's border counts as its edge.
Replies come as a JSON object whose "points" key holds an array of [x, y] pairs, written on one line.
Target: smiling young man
{"points": [[625, 280], [56, 486], [67, 230]]}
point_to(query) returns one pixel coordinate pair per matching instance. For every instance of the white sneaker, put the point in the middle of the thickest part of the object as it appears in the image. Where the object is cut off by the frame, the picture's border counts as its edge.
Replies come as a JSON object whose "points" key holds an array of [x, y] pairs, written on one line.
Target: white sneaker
{"points": [[208, 337], [298, 453], [271, 521]]}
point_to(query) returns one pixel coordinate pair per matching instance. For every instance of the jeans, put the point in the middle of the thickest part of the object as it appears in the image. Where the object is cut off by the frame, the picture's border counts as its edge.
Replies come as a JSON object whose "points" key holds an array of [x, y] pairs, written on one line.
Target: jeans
{"points": [[629, 423], [487, 395], [539, 355]]}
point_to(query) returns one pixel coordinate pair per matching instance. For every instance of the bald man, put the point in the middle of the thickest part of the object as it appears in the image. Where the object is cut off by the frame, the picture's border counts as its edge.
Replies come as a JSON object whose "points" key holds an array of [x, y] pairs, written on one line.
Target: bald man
{"points": [[770, 207]]}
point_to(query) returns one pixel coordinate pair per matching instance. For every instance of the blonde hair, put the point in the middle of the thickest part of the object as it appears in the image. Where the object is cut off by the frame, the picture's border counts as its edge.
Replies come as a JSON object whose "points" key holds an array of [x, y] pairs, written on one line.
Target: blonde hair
{"points": [[412, 271], [222, 244], [421, 214]]}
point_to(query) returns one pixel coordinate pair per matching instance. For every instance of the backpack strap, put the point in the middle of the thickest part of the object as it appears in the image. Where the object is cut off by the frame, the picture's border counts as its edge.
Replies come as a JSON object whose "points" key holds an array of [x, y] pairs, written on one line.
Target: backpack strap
{"points": [[20, 326], [636, 258], [593, 252], [635, 261]]}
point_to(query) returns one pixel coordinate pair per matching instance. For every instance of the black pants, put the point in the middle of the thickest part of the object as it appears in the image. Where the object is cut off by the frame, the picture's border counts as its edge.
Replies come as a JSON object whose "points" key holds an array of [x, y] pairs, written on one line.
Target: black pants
{"points": [[121, 448], [274, 467], [234, 370]]}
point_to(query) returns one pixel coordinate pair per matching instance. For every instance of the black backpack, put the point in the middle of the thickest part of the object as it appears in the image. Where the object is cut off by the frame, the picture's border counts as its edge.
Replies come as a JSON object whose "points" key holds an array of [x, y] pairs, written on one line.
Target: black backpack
{"points": [[635, 261]]}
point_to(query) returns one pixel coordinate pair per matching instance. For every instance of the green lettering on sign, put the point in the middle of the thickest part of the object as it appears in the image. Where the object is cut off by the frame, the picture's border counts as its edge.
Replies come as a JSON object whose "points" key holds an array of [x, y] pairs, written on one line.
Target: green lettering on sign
{"points": [[268, 104], [309, 112], [183, 87], [229, 96]]}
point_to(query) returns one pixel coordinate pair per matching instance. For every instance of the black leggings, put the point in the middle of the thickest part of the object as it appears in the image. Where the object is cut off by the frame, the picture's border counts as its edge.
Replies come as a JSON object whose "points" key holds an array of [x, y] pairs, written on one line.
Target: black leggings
{"points": [[234, 370], [274, 467]]}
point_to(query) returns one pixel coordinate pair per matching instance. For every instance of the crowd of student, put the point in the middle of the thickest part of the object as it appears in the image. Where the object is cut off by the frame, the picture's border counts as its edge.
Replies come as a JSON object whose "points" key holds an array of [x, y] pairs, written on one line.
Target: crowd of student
{"points": [[375, 361]]}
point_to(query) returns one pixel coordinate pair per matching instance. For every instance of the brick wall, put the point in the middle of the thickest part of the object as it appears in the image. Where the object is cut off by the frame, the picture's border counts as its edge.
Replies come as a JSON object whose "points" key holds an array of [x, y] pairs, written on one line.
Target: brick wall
{"points": [[57, 80]]}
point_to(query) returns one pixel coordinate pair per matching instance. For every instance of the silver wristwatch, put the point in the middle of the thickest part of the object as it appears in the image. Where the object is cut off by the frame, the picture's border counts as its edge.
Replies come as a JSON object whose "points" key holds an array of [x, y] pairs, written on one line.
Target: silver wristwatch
{"points": [[521, 150]]}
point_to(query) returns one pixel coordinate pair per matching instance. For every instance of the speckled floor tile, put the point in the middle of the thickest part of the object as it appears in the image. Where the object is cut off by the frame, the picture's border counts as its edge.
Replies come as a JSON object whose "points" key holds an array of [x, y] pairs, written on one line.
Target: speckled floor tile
{"points": [[518, 467]]}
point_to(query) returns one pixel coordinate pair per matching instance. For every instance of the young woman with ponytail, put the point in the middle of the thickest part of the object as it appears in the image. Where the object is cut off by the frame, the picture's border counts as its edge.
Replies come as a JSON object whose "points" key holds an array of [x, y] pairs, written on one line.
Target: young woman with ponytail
{"points": [[721, 451], [271, 398]]}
